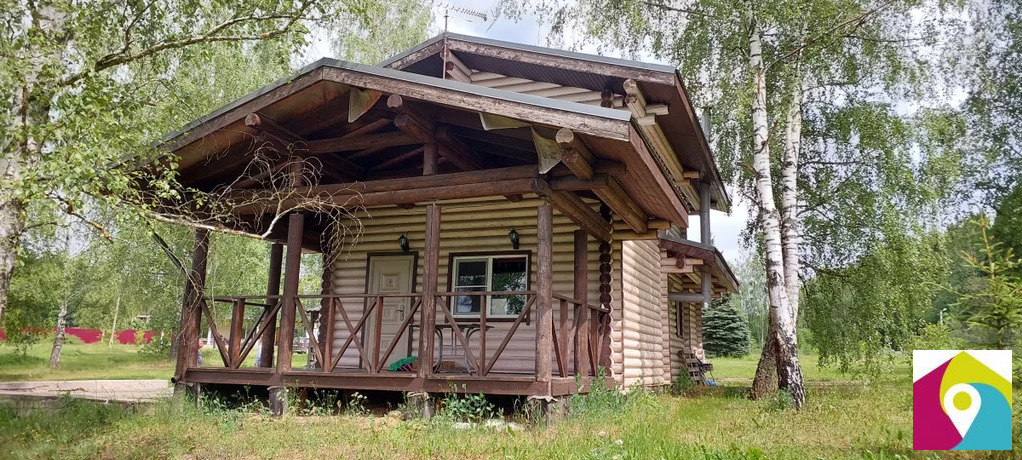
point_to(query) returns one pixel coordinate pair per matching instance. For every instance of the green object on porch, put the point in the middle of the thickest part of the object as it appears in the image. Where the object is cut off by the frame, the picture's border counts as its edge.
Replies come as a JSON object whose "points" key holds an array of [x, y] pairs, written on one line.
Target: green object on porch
{"points": [[403, 364]]}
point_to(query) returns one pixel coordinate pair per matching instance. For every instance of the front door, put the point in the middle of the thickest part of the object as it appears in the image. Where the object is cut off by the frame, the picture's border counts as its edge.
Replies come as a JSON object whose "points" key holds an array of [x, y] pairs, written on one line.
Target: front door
{"points": [[390, 274]]}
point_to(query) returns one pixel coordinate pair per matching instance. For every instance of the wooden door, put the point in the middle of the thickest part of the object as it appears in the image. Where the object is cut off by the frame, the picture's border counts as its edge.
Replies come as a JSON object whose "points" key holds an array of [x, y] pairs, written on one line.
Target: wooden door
{"points": [[390, 274]]}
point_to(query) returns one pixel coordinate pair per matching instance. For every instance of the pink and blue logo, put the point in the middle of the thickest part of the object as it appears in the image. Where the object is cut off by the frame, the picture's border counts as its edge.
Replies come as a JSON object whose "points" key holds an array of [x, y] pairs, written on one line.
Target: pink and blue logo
{"points": [[961, 400]]}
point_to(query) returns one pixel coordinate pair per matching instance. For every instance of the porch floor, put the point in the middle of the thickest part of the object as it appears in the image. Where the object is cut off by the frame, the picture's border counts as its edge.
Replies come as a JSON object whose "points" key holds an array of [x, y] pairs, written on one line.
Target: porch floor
{"points": [[360, 379]]}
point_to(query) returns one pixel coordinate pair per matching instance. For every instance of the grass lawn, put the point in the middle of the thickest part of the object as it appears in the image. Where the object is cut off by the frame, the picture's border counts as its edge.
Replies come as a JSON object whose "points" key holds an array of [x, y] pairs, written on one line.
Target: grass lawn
{"points": [[99, 362], [858, 420]]}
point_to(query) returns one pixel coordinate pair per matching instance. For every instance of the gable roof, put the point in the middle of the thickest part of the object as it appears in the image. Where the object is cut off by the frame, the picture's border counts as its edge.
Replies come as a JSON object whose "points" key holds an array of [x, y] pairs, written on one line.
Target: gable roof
{"points": [[659, 83]]}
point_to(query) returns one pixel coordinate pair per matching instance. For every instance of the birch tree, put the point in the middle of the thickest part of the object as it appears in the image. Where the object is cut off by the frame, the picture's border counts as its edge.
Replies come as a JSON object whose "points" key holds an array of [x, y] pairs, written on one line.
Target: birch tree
{"points": [[751, 61], [80, 84]]}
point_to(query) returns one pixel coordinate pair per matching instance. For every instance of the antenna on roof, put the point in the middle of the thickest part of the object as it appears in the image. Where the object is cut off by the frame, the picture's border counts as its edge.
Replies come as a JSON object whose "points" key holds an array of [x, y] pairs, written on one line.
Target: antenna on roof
{"points": [[448, 8]]}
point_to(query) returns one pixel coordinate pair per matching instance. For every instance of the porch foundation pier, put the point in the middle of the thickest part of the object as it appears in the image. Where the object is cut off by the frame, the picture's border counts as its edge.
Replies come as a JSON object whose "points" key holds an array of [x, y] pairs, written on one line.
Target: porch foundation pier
{"points": [[292, 268], [544, 296], [581, 351], [191, 313], [272, 289], [427, 315]]}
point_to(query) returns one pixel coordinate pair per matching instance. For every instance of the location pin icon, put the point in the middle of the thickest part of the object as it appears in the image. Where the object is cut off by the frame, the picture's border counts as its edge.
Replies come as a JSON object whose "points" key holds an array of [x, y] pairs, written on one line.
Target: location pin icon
{"points": [[962, 418]]}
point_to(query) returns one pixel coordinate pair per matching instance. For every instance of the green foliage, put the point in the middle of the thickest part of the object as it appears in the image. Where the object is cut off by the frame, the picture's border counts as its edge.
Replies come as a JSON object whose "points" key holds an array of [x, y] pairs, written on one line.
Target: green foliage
{"points": [[466, 408], [725, 330], [996, 306], [935, 337], [860, 313], [601, 399], [682, 383]]}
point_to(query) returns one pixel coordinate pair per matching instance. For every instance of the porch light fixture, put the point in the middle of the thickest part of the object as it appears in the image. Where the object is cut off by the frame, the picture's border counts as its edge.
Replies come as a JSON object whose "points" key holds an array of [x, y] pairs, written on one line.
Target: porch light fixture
{"points": [[403, 241], [513, 235]]}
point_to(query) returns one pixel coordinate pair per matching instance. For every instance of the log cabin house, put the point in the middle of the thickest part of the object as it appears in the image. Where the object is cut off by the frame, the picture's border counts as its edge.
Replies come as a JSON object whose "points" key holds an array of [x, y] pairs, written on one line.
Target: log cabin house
{"points": [[527, 207]]}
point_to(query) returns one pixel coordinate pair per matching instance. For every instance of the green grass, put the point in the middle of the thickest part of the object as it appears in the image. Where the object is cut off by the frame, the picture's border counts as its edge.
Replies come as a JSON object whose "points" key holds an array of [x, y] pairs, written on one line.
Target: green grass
{"points": [[840, 421], [99, 362], [83, 362], [745, 368]]}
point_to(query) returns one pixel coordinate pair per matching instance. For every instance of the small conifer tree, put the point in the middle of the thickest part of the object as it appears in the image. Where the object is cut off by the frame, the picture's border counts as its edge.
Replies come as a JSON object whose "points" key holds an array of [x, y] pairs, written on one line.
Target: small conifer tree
{"points": [[725, 330]]}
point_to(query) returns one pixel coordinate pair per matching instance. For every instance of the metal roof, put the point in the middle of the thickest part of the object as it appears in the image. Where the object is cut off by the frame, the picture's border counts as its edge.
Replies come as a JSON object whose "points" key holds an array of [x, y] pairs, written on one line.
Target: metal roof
{"points": [[452, 85], [533, 49]]}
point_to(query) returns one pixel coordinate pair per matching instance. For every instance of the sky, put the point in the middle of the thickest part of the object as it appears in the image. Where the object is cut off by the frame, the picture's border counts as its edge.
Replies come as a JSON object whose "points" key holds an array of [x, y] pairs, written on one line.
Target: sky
{"points": [[725, 228]]}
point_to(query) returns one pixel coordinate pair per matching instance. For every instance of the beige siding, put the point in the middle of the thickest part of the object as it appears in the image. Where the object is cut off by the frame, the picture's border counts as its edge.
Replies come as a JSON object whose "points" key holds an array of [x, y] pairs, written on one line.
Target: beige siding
{"points": [[466, 226], [643, 298]]}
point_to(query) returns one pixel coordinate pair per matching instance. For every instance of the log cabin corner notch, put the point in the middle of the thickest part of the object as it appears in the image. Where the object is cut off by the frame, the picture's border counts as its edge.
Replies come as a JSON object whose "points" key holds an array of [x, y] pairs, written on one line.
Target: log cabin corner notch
{"points": [[594, 163]]}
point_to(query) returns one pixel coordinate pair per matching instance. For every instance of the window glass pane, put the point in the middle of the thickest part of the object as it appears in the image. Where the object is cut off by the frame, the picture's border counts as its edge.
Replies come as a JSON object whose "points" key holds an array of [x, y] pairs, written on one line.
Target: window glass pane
{"points": [[466, 305], [471, 273], [509, 274]]}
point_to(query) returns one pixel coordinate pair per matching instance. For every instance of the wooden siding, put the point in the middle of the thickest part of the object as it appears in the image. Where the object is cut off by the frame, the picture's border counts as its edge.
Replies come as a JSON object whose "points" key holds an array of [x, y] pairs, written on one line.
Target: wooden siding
{"points": [[480, 225], [676, 341], [643, 298]]}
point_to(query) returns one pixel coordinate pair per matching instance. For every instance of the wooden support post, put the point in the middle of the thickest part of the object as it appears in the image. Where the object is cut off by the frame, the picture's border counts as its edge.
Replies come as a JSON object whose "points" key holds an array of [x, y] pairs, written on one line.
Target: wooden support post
{"points": [[603, 341], [427, 316], [292, 269], [272, 289], [237, 331], [581, 326], [430, 157], [326, 307], [544, 294], [191, 314]]}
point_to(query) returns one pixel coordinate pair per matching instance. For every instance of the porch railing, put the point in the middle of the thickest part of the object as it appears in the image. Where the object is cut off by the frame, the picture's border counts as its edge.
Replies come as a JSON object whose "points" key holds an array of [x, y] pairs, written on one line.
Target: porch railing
{"points": [[235, 349]]}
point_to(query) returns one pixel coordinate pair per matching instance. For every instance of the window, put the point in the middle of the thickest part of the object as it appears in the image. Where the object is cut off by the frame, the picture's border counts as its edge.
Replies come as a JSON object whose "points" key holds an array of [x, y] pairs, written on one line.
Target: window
{"points": [[490, 273]]}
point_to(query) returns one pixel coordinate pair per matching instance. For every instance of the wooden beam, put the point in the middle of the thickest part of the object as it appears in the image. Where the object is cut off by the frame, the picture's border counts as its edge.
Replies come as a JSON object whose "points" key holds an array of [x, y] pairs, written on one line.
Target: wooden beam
{"points": [[413, 128], [544, 293], [581, 324], [272, 289], [293, 266], [623, 205], [396, 160], [575, 209], [574, 154], [456, 151], [349, 143], [410, 190], [430, 277], [268, 125], [430, 159]]}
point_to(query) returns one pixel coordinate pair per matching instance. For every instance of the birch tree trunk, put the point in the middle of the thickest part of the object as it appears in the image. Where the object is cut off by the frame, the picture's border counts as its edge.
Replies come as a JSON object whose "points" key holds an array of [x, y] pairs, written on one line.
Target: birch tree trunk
{"points": [[113, 326], [58, 338], [789, 373], [789, 198]]}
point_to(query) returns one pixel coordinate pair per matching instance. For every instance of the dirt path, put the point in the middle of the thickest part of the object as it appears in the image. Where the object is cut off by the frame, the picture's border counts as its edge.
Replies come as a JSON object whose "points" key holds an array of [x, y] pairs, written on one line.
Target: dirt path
{"points": [[127, 391]]}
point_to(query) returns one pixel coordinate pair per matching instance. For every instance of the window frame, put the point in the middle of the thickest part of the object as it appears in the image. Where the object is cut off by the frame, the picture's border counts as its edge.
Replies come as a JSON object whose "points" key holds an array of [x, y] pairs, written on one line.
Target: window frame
{"points": [[452, 269]]}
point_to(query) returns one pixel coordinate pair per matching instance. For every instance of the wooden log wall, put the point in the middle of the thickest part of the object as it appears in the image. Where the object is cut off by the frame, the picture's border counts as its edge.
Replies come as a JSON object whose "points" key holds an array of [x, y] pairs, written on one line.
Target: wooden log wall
{"points": [[479, 225], [676, 341], [644, 298]]}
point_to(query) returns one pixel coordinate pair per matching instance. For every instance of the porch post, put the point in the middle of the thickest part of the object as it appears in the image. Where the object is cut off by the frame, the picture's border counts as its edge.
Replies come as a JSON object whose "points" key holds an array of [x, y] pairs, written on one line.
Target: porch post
{"points": [[581, 326], [191, 314], [293, 263], [603, 350], [272, 289], [427, 316], [544, 294]]}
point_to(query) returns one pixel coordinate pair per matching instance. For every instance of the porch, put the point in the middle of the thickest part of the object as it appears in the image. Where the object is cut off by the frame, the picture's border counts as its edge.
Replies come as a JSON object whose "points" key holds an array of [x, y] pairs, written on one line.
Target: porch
{"points": [[355, 337]]}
